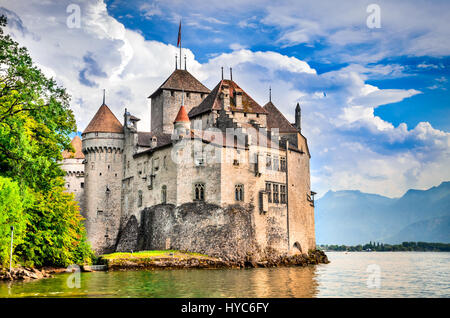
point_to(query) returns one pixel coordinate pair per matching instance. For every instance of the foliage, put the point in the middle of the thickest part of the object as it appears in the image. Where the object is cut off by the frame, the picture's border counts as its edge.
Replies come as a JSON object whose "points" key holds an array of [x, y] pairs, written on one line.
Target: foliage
{"points": [[35, 124], [381, 247], [35, 119], [55, 234], [12, 204]]}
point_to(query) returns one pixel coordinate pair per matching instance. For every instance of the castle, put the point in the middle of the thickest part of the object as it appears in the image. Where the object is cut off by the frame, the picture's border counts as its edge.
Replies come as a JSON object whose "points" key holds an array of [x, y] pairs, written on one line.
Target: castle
{"points": [[217, 172]]}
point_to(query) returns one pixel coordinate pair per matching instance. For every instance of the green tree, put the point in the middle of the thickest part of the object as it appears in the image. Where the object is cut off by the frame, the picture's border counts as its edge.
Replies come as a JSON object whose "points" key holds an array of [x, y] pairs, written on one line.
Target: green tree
{"points": [[35, 124], [12, 204], [55, 232], [35, 118]]}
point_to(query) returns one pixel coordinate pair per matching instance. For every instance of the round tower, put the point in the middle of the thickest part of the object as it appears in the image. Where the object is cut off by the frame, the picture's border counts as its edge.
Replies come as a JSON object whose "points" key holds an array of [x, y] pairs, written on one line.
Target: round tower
{"points": [[73, 165], [102, 145]]}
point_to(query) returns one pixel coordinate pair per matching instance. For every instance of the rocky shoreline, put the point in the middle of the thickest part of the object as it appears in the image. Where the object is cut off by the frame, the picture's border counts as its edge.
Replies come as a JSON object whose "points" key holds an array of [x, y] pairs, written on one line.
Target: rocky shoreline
{"points": [[313, 258], [187, 262], [27, 273]]}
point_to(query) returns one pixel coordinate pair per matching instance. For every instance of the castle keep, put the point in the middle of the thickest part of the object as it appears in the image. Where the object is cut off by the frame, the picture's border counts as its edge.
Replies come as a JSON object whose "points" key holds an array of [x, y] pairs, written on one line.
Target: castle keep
{"points": [[217, 174]]}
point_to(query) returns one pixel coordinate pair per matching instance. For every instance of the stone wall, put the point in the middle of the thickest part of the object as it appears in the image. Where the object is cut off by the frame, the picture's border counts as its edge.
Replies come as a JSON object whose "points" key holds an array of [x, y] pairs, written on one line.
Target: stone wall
{"points": [[225, 232], [301, 211]]}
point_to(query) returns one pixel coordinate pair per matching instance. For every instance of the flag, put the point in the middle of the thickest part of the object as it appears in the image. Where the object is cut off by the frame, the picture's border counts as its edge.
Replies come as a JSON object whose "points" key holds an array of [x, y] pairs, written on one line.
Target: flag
{"points": [[179, 35]]}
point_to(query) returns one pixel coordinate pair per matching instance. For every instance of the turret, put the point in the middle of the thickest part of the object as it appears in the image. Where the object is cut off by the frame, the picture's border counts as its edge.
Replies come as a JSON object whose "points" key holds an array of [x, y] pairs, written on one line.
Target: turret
{"points": [[298, 117], [102, 145], [73, 165], [181, 123]]}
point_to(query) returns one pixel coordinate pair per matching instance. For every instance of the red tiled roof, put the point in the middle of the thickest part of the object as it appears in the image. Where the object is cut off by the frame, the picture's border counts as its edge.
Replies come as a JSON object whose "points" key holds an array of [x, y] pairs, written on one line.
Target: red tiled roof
{"points": [[104, 121], [212, 101], [276, 119], [78, 154], [182, 115], [182, 80]]}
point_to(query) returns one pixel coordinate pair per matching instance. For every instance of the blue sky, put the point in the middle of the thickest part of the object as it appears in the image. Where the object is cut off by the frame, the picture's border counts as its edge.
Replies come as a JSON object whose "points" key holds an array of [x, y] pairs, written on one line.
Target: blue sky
{"points": [[223, 31], [375, 101]]}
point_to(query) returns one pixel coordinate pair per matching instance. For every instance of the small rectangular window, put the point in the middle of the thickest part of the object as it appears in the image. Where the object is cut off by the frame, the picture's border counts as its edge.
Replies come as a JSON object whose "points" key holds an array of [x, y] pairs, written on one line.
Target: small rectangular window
{"points": [[82, 185], [269, 162], [275, 193], [283, 194], [239, 192], [139, 198], [276, 164], [269, 191], [283, 164]]}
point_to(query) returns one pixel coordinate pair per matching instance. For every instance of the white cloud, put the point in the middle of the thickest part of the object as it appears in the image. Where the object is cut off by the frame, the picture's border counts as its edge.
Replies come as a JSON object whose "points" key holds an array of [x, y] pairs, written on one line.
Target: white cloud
{"points": [[425, 65], [406, 27], [148, 10], [237, 46]]}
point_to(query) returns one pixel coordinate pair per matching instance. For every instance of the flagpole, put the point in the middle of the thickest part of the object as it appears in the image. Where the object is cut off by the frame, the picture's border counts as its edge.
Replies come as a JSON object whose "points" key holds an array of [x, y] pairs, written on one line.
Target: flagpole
{"points": [[180, 44]]}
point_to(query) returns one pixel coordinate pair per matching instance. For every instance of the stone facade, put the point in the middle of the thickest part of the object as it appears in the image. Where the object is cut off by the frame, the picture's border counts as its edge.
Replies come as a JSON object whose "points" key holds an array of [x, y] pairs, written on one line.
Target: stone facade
{"points": [[74, 178], [189, 186]]}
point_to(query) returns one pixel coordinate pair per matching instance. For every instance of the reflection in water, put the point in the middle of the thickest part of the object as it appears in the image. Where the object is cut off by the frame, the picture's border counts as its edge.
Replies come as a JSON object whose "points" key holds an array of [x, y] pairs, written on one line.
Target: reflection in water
{"points": [[402, 275], [259, 282]]}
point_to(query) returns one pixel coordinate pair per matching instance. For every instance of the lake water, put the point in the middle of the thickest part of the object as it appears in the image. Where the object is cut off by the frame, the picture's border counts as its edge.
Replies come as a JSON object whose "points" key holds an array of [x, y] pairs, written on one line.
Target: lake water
{"points": [[371, 274]]}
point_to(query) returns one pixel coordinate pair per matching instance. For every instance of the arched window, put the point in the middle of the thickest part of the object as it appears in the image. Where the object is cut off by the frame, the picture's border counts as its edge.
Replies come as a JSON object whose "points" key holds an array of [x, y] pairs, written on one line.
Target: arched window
{"points": [[199, 191], [164, 194], [139, 198], [239, 192]]}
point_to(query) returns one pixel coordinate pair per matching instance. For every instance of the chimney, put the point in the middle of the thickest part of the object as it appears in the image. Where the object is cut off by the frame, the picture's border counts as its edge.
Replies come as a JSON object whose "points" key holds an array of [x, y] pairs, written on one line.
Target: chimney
{"points": [[238, 98], [225, 96], [298, 118]]}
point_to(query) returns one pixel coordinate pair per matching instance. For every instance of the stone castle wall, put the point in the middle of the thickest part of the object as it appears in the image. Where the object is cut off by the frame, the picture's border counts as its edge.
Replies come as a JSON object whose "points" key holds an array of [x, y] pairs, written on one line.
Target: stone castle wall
{"points": [[225, 232], [301, 211]]}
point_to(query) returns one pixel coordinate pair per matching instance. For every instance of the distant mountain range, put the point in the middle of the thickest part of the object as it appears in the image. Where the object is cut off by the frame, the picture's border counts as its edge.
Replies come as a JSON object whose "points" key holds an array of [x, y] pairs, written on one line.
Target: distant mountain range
{"points": [[353, 217]]}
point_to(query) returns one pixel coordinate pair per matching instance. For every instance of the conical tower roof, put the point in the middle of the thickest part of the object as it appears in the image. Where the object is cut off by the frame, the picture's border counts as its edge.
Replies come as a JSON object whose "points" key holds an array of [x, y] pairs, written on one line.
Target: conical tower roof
{"points": [[78, 154], [182, 115], [104, 121]]}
